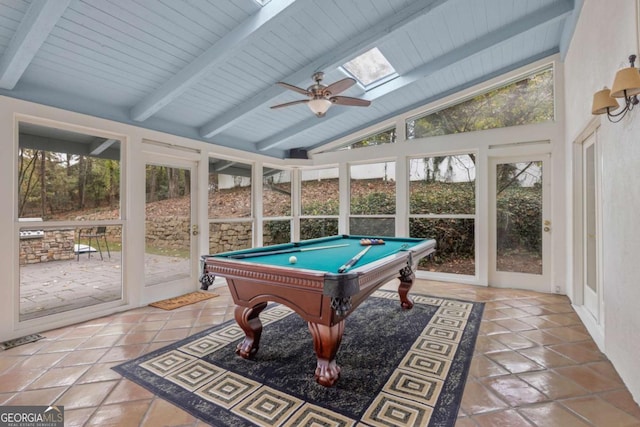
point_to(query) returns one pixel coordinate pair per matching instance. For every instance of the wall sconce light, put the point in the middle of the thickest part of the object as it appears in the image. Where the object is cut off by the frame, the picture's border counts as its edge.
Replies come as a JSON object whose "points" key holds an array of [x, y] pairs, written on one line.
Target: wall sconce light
{"points": [[626, 85]]}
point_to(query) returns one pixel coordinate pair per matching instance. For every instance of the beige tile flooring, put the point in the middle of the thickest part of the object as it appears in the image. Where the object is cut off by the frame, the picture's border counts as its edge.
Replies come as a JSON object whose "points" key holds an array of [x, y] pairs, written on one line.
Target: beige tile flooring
{"points": [[534, 365]]}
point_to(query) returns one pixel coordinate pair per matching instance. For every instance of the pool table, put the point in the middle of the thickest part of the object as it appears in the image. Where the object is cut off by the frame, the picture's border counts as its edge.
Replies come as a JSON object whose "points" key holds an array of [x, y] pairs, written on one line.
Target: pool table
{"points": [[312, 286]]}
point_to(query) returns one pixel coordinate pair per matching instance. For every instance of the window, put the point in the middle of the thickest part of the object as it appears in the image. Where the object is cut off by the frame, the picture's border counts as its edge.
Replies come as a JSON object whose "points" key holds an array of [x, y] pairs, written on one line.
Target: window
{"points": [[442, 206], [79, 176], [64, 177], [320, 199], [230, 211], [370, 68], [385, 137], [276, 202], [373, 199], [525, 101]]}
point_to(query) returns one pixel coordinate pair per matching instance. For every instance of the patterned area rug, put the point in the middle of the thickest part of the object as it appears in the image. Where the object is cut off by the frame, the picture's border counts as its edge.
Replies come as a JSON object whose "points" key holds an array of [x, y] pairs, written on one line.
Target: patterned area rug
{"points": [[186, 299], [399, 368]]}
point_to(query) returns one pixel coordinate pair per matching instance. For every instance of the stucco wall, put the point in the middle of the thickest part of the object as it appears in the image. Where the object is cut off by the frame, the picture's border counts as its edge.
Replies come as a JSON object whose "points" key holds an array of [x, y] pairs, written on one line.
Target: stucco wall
{"points": [[605, 36]]}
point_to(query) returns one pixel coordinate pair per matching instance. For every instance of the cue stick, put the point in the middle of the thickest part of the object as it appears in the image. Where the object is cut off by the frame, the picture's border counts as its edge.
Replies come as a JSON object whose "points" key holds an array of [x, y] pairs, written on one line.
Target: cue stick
{"points": [[404, 247], [353, 260], [285, 251]]}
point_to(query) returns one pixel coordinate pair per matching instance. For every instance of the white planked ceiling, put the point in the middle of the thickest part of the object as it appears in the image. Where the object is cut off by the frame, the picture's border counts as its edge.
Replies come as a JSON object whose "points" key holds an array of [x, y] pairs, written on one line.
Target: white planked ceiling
{"points": [[207, 69]]}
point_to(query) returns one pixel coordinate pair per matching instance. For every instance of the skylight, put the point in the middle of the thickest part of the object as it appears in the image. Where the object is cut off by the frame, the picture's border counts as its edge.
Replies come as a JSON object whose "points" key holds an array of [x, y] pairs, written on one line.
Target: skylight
{"points": [[370, 67]]}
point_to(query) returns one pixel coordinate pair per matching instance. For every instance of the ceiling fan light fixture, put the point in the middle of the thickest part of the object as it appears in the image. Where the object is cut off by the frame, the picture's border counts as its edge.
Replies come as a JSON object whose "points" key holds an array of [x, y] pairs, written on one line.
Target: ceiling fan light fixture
{"points": [[319, 106], [321, 97]]}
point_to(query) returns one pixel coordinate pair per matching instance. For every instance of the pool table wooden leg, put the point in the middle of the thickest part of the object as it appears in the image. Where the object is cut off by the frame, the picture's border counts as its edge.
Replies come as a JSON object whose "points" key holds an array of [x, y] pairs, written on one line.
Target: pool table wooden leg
{"points": [[406, 281], [326, 341], [248, 320]]}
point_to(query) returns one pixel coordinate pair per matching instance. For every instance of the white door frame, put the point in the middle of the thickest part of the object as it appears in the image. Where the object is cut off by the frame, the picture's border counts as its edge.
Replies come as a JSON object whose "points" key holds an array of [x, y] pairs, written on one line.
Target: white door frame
{"points": [[181, 286], [590, 308], [590, 297], [534, 282]]}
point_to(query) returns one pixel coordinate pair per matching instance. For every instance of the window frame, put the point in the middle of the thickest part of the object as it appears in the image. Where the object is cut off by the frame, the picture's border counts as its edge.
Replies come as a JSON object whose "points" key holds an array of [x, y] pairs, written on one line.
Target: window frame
{"points": [[251, 219], [452, 216], [76, 224], [349, 214], [483, 91], [279, 218]]}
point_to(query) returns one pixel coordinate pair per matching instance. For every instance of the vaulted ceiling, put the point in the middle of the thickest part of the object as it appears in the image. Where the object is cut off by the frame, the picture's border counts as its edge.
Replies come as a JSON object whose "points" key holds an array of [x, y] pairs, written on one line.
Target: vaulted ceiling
{"points": [[207, 69]]}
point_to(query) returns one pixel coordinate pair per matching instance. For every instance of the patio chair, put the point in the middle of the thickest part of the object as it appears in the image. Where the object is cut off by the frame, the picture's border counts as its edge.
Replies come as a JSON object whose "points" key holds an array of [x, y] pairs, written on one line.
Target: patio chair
{"points": [[96, 233]]}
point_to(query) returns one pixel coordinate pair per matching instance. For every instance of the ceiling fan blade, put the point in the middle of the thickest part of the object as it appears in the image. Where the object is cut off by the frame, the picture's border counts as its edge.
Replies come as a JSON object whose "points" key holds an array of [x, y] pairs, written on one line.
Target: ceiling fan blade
{"points": [[347, 100], [287, 104], [294, 88], [340, 86]]}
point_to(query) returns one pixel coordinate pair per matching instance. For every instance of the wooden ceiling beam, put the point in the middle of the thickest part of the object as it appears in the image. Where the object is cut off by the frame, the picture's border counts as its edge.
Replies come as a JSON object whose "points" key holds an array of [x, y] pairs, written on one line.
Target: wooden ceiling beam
{"points": [[32, 32], [253, 27]]}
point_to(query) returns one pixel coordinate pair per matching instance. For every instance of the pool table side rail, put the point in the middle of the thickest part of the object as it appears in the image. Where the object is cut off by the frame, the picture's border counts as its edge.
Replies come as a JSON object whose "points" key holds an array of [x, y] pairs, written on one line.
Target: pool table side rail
{"points": [[238, 268], [294, 287]]}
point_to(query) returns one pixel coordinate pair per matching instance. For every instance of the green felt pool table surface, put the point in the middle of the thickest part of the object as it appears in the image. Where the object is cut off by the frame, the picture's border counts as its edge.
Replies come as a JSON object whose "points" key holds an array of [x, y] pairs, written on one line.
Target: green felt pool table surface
{"points": [[326, 260]]}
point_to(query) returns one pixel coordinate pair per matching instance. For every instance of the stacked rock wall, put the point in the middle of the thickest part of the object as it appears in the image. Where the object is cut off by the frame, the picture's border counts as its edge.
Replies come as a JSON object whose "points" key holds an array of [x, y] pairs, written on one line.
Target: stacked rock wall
{"points": [[54, 245]]}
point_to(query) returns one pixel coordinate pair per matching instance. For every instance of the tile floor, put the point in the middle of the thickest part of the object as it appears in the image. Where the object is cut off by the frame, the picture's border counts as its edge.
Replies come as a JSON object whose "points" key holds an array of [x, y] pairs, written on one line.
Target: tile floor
{"points": [[534, 365]]}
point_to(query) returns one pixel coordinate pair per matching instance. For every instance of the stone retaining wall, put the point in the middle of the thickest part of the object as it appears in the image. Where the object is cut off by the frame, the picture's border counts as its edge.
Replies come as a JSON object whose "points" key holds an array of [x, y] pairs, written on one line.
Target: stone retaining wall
{"points": [[173, 232], [162, 232], [224, 237], [169, 232]]}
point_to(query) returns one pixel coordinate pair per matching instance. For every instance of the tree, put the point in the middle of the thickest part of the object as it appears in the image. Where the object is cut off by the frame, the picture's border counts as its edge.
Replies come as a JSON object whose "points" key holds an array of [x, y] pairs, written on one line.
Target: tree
{"points": [[172, 176], [43, 184], [526, 101], [508, 175], [27, 160], [51, 183], [152, 180], [433, 168], [385, 137]]}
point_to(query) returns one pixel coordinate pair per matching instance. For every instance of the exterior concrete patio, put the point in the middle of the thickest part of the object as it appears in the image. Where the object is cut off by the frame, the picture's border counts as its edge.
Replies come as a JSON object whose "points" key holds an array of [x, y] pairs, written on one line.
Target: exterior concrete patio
{"points": [[57, 286]]}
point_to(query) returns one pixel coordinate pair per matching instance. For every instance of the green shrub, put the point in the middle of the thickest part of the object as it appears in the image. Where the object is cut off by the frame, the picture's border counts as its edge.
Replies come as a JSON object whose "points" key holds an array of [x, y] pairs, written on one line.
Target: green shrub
{"points": [[442, 198], [376, 203], [454, 236], [322, 207], [519, 218], [311, 228]]}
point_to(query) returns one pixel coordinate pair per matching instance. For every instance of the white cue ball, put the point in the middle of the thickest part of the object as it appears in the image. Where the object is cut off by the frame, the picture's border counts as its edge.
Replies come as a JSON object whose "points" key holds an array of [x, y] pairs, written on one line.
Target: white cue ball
{"points": [[293, 260]]}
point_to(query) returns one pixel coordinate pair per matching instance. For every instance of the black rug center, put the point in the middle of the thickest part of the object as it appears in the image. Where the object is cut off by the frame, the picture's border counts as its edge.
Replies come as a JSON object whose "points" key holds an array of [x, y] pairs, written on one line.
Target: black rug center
{"points": [[376, 338]]}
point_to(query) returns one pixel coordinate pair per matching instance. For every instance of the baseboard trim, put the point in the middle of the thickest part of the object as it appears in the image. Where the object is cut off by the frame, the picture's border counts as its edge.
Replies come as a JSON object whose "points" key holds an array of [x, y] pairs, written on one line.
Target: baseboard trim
{"points": [[595, 329]]}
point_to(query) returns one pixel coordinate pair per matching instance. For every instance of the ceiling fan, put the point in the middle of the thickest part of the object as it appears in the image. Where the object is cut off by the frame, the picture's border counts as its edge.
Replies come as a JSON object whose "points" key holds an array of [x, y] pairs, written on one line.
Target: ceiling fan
{"points": [[321, 97]]}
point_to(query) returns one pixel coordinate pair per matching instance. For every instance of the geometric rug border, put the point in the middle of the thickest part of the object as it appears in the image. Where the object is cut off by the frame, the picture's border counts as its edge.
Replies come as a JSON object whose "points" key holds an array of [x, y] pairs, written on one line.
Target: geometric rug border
{"points": [[444, 414], [462, 361]]}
